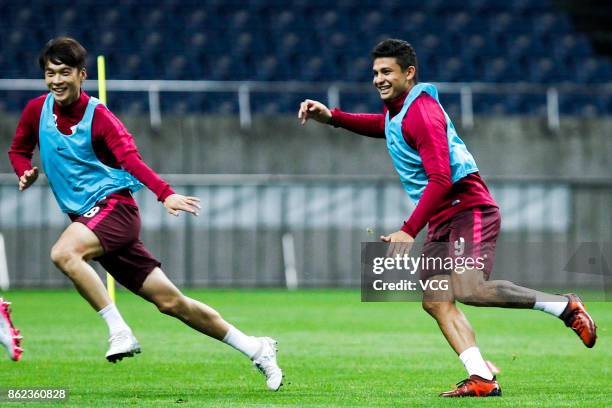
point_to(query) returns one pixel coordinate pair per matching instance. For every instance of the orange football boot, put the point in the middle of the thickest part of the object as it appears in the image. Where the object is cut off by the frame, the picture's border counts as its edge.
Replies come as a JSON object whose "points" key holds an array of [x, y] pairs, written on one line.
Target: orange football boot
{"points": [[576, 317], [475, 386]]}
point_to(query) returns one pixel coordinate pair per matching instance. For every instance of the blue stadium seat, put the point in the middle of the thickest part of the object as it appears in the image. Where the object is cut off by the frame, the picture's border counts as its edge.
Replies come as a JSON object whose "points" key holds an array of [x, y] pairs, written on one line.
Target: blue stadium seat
{"points": [[269, 103], [543, 70], [222, 102], [176, 68], [274, 103], [288, 45], [312, 70], [313, 40], [534, 105], [462, 23], [283, 22], [452, 105], [489, 104], [583, 105], [373, 21], [497, 70], [361, 70], [267, 70], [452, 70]]}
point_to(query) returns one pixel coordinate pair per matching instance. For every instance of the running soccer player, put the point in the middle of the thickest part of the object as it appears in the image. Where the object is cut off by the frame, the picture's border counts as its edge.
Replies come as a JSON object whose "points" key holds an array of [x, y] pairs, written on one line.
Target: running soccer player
{"points": [[441, 177], [93, 167]]}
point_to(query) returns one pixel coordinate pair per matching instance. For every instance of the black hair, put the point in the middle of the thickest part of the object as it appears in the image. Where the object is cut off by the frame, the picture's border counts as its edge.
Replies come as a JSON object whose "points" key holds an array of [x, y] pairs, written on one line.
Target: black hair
{"points": [[63, 50], [401, 50]]}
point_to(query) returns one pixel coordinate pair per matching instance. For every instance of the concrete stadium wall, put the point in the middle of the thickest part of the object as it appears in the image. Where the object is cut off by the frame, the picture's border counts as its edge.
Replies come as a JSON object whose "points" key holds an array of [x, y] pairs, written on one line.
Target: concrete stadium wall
{"points": [[197, 252], [509, 146], [237, 239]]}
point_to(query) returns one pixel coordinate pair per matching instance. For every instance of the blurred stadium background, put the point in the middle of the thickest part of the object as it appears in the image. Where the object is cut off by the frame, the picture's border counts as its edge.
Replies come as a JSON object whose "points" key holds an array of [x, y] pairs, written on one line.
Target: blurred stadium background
{"points": [[210, 90]]}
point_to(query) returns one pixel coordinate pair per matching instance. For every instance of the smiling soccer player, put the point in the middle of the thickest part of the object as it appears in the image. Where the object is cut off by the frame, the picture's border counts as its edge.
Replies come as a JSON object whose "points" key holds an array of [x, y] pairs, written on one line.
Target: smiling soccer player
{"points": [[93, 167], [441, 177]]}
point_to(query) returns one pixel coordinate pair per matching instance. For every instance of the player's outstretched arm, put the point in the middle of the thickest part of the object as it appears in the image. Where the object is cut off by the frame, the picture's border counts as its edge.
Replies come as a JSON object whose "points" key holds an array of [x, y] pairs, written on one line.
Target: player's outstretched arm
{"points": [[175, 203], [28, 178], [366, 124], [310, 109]]}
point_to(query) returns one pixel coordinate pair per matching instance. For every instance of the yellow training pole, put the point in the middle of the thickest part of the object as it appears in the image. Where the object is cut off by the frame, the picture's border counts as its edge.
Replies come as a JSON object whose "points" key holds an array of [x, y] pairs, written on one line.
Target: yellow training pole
{"points": [[110, 281]]}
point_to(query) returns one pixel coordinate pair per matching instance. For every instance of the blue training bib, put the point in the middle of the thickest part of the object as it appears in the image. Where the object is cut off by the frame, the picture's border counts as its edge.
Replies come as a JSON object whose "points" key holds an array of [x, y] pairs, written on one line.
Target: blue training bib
{"points": [[77, 177], [408, 162]]}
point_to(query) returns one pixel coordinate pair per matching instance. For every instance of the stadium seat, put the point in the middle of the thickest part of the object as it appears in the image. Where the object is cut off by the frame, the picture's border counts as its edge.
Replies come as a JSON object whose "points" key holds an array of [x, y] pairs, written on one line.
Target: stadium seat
{"points": [[267, 69], [489, 104], [314, 40]]}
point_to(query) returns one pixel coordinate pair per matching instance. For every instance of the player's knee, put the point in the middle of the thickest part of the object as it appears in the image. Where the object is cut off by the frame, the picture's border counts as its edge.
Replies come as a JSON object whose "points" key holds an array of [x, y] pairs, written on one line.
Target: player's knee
{"points": [[435, 309], [61, 256], [468, 296], [171, 305], [504, 289]]}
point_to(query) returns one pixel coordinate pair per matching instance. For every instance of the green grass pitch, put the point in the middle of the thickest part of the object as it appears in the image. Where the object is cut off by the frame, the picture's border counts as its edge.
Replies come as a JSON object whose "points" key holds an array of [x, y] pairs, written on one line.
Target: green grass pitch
{"points": [[335, 351]]}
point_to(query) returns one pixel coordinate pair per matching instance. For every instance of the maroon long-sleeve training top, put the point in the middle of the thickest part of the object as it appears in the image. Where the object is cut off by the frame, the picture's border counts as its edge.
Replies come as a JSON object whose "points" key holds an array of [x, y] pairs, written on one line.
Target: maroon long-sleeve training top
{"points": [[424, 129], [112, 143]]}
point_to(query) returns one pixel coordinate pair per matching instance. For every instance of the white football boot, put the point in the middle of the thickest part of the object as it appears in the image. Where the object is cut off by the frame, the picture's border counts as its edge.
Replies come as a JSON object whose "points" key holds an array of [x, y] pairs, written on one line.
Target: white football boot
{"points": [[10, 337], [265, 361], [122, 344]]}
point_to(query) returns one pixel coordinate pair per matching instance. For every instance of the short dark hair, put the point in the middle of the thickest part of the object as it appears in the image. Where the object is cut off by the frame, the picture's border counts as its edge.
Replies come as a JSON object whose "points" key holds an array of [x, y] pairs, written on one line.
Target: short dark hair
{"points": [[401, 50], [63, 50]]}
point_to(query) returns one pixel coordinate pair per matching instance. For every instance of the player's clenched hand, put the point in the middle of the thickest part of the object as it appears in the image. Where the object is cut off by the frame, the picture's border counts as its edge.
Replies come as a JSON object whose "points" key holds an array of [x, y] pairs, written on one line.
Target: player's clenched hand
{"points": [[400, 241], [28, 178], [310, 109], [176, 202]]}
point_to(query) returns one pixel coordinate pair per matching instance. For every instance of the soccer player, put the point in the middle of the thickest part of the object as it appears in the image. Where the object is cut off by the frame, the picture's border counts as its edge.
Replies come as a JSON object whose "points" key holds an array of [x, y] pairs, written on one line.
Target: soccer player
{"points": [[93, 167], [10, 338], [441, 177]]}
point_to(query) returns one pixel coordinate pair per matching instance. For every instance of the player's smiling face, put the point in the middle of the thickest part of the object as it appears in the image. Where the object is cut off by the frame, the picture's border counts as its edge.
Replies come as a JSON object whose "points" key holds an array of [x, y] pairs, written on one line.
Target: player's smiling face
{"points": [[389, 78], [64, 82]]}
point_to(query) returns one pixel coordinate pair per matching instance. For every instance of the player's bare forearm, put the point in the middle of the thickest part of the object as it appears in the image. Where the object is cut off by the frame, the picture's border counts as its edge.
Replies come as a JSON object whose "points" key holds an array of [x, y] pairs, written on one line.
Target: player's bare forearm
{"points": [[176, 203]]}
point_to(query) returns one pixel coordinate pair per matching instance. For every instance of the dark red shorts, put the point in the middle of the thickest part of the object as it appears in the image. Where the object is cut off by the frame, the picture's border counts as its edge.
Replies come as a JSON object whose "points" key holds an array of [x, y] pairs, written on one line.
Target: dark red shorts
{"points": [[117, 226], [465, 241]]}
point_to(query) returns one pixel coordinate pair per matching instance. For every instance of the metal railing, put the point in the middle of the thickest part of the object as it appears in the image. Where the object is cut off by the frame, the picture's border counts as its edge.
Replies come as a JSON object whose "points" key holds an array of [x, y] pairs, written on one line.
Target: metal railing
{"points": [[253, 229], [333, 90]]}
